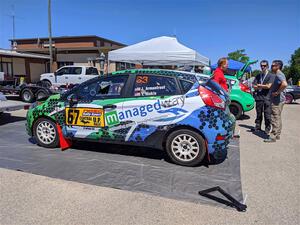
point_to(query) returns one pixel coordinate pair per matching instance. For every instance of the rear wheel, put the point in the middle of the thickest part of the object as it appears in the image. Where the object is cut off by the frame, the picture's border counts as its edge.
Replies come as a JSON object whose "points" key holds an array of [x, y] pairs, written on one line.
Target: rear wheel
{"points": [[185, 147], [27, 95], [236, 109], [41, 94], [288, 98], [45, 132], [46, 83]]}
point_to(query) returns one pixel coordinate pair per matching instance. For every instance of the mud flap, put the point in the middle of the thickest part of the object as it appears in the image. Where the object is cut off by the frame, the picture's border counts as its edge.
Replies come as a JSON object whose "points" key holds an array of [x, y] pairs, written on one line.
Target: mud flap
{"points": [[63, 142]]}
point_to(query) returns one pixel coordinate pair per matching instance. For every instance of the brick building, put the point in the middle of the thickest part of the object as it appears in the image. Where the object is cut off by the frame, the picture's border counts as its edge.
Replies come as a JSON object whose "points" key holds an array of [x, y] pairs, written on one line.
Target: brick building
{"points": [[70, 50]]}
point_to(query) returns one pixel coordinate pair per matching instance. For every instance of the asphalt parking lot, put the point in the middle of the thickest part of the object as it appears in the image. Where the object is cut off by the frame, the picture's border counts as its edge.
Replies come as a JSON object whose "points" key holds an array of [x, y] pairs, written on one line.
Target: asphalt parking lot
{"points": [[269, 173]]}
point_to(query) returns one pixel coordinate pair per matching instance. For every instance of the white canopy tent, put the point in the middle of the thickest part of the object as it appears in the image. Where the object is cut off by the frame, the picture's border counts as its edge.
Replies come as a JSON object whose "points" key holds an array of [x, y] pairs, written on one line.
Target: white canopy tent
{"points": [[158, 51]]}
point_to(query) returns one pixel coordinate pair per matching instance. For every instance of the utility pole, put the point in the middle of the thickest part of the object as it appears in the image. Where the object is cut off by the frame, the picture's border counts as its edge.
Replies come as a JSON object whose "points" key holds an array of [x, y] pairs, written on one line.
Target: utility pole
{"points": [[13, 21], [50, 35]]}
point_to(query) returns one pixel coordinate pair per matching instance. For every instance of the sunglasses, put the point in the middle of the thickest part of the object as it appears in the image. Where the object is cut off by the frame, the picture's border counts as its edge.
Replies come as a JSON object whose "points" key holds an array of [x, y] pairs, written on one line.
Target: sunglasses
{"points": [[274, 65], [263, 65]]}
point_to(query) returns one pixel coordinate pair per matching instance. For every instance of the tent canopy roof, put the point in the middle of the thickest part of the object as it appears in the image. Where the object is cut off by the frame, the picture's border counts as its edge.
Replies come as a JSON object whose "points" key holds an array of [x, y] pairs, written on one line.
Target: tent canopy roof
{"points": [[158, 51]]}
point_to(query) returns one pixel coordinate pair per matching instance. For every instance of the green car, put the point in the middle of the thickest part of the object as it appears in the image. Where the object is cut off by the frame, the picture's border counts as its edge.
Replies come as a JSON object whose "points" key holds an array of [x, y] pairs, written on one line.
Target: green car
{"points": [[240, 96]]}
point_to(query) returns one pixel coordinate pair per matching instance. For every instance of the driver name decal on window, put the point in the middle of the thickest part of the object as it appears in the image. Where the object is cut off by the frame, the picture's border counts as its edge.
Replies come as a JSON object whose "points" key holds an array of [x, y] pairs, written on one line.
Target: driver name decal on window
{"points": [[88, 117]]}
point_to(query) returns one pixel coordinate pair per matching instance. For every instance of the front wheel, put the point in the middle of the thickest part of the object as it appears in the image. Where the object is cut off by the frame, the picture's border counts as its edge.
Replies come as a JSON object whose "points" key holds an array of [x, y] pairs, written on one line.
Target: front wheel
{"points": [[236, 109], [186, 147], [45, 132]]}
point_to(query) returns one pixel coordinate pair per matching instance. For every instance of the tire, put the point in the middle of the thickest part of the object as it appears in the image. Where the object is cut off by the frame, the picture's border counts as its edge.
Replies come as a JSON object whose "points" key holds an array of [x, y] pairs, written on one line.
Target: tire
{"points": [[27, 95], [179, 144], [289, 98], [236, 109], [45, 133], [40, 94], [46, 83]]}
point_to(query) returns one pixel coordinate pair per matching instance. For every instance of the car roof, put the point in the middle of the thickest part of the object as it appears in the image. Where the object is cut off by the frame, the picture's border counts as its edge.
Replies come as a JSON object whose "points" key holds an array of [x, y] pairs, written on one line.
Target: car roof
{"points": [[165, 72]]}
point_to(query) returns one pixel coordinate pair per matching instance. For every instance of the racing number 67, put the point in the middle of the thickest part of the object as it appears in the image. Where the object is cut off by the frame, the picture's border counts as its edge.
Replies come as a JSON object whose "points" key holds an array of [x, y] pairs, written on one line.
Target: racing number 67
{"points": [[72, 116]]}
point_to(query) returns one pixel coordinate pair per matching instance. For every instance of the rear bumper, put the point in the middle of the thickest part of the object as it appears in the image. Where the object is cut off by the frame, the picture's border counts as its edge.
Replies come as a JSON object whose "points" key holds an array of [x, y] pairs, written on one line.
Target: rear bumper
{"points": [[218, 147]]}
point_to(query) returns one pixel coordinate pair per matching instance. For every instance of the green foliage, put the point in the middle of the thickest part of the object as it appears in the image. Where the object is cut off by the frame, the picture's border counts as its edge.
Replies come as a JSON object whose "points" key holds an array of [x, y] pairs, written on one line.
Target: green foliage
{"points": [[239, 55], [293, 70], [255, 73]]}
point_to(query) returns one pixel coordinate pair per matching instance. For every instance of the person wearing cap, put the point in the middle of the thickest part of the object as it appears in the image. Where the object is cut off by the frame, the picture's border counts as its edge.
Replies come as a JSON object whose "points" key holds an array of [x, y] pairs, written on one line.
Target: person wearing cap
{"points": [[277, 100], [262, 85], [218, 75]]}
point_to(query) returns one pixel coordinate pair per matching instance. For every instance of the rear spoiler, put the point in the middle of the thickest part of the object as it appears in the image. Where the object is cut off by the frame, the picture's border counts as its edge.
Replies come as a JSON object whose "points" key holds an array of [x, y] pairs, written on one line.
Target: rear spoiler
{"points": [[241, 72]]}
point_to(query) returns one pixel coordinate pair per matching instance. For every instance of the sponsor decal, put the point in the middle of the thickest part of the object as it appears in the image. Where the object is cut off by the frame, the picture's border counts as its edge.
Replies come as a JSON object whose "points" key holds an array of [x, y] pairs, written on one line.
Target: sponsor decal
{"points": [[111, 118], [88, 117], [173, 101]]}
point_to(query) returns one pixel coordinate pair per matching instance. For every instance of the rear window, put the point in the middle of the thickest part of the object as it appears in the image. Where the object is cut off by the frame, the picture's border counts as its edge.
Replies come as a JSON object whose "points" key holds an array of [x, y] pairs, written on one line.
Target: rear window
{"points": [[91, 71], [186, 85]]}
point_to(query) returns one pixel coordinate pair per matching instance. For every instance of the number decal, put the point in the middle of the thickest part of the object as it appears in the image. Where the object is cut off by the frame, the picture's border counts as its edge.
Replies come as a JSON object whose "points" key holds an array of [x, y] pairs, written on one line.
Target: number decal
{"points": [[89, 117]]}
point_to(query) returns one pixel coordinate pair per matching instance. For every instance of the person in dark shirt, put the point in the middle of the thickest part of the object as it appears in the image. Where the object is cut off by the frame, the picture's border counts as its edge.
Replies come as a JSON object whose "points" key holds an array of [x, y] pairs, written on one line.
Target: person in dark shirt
{"points": [[262, 86], [277, 100], [218, 75]]}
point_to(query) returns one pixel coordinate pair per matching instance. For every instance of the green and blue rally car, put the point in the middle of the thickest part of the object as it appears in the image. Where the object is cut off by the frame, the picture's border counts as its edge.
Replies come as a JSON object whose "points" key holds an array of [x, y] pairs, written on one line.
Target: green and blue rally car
{"points": [[164, 109]]}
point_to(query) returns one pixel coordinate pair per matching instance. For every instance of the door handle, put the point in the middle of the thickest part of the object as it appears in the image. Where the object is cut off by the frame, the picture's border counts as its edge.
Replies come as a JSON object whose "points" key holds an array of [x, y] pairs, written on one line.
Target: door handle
{"points": [[109, 106], [79, 78], [66, 77]]}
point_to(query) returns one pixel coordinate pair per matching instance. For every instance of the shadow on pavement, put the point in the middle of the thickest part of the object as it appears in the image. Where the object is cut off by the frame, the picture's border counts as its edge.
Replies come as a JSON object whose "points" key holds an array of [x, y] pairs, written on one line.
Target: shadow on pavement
{"points": [[244, 117], [6, 118], [260, 134]]}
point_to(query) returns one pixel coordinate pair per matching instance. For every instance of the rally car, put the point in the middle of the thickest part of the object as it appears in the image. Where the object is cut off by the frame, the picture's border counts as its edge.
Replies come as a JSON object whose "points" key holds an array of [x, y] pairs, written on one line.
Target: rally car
{"points": [[163, 109]]}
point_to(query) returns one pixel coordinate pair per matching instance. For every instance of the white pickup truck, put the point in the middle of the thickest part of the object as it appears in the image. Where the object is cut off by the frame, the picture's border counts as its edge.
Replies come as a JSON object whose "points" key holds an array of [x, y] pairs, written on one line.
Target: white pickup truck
{"points": [[69, 75]]}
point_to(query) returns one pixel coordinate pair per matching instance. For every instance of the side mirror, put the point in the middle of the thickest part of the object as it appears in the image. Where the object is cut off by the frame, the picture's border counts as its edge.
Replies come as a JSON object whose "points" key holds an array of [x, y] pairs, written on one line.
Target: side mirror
{"points": [[72, 99]]}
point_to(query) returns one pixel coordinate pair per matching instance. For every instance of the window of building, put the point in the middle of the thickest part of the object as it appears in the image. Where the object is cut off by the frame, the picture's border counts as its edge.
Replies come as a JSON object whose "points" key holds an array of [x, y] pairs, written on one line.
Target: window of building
{"points": [[61, 64]]}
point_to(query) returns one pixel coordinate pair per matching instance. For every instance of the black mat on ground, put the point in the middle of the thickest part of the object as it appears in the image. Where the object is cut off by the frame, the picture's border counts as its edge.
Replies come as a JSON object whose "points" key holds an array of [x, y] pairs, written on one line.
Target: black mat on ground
{"points": [[121, 167]]}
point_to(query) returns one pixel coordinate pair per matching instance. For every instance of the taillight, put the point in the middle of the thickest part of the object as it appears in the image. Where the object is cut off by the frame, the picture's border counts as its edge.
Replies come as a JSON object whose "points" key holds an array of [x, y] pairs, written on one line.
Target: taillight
{"points": [[211, 99], [244, 88]]}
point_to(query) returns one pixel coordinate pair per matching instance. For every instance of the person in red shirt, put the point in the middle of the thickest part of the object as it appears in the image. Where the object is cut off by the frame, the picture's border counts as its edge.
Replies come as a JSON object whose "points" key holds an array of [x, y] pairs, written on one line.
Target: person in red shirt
{"points": [[218, 75]]}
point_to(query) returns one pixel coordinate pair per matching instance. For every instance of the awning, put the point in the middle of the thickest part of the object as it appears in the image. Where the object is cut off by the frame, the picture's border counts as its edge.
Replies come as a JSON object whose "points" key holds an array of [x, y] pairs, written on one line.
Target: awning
{"points": [[158, 51]]}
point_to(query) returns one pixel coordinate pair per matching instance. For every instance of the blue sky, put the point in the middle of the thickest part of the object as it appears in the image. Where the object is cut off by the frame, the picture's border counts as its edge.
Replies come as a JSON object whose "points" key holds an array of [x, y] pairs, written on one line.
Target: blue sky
{"points": [[266, 29]]}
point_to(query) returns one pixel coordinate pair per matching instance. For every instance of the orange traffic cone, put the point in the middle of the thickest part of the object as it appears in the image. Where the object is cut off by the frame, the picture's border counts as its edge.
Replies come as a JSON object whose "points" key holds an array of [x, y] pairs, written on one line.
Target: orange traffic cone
{"points": [[64, 143]]}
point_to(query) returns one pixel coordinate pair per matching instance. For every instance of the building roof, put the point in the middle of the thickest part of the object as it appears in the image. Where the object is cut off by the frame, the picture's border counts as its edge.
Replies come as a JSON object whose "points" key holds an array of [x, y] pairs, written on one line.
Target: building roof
{"points": [[24, 55], [67, 37]]}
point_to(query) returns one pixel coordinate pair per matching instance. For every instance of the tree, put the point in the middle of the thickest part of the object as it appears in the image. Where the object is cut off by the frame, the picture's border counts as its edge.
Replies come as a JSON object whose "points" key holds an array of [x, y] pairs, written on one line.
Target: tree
{"points": [[293, 70], [255, 73], [239, 55]]}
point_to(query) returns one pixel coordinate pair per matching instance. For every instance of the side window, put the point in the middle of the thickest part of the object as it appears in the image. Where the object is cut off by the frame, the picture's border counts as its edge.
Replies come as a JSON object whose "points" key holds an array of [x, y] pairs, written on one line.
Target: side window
{"points": [[108, 87], [91, 71], [151, 85], [62, 71], [186, 85], [75, 70]]}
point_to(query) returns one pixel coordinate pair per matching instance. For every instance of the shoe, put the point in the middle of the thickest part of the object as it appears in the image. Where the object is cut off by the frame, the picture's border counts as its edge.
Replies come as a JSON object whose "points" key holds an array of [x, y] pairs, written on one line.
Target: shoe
{"points": [[270, 140], [278, 138], [255, 129]]}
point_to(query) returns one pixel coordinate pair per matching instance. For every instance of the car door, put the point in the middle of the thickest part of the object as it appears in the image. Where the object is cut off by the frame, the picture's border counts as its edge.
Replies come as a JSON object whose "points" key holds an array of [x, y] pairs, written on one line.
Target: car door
{"points": [[74, 76], [60, 76], [154, 101], [96, 112]]}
